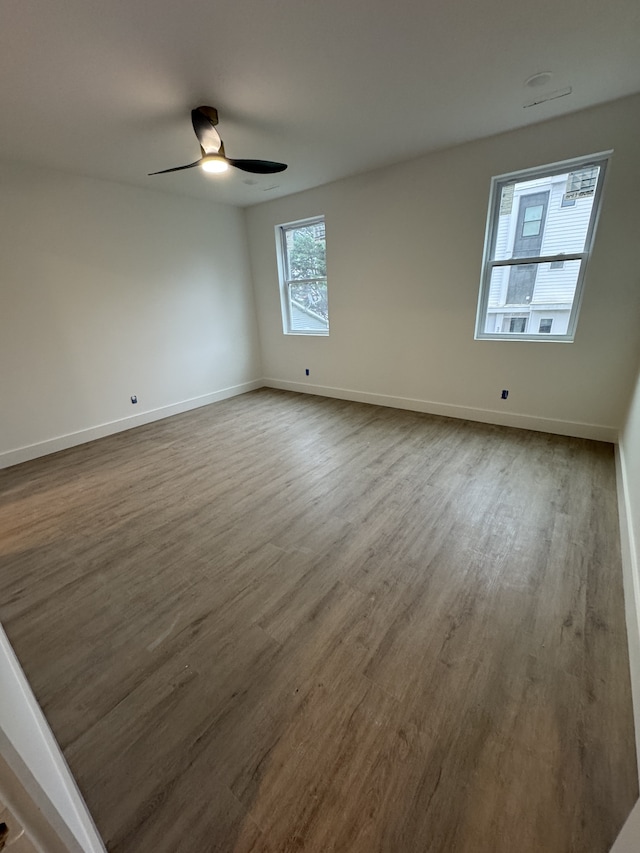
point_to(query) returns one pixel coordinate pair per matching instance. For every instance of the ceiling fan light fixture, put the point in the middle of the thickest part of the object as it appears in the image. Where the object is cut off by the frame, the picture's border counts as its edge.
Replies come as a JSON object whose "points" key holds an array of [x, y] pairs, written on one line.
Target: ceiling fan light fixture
{"points": [[214, 159], [213, 164]]}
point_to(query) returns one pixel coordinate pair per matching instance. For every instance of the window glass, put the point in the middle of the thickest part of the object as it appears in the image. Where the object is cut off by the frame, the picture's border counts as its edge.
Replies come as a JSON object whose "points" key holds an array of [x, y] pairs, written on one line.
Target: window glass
{"points": [[539, 236], [532, 221]]}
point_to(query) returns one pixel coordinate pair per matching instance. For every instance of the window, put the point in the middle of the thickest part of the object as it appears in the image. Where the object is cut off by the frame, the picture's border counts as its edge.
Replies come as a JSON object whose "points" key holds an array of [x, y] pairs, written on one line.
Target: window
{"points": [[303, 277], [512, 323], [581, 184], [540, 231]]}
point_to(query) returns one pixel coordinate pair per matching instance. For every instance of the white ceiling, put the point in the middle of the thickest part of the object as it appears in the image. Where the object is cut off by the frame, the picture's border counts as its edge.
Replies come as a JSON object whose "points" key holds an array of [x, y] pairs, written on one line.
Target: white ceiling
{"points": [[331, 87]]}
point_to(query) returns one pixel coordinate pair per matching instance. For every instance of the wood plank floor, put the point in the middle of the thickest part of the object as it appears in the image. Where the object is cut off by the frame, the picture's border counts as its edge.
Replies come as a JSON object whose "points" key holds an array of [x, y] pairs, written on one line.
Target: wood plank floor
{"points": [[289, 623]]}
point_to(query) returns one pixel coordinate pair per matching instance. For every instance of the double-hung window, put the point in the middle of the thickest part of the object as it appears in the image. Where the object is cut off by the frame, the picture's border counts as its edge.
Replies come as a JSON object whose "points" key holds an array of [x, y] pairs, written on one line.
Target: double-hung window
{"points": [[303, 277], [540, 232]]}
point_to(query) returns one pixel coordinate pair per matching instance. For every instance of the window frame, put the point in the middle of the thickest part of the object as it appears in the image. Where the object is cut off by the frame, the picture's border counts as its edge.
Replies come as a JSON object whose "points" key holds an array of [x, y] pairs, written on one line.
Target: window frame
{"points": [[286, 281], [602, 160]]}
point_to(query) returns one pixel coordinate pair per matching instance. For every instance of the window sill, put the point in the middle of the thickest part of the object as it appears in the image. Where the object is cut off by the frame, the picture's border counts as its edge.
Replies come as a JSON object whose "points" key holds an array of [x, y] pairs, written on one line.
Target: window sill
{"points": [[308, 334], [521, 336]]}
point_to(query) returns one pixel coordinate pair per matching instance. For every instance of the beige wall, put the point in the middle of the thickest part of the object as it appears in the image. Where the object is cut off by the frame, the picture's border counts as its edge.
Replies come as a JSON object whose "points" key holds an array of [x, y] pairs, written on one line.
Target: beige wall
{"points": [[109, 291], [404, 250]]}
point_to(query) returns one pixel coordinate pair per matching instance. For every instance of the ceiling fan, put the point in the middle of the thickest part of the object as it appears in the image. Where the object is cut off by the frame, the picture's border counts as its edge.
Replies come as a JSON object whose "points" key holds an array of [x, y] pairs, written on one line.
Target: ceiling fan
{"points": [[204, 121]]}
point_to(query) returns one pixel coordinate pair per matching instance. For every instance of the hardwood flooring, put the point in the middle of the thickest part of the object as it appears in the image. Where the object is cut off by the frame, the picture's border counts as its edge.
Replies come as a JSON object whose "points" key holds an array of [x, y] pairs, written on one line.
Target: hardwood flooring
{"points": [[288, 623]]}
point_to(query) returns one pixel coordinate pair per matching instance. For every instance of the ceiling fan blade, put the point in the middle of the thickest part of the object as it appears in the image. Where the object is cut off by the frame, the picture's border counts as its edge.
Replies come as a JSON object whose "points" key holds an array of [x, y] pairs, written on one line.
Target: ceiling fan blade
{"points": [[176, 168], [203, 120], [258, 167]]}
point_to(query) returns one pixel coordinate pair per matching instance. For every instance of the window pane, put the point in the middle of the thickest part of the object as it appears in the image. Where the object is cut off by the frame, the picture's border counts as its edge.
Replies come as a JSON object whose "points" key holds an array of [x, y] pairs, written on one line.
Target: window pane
{"points": [[583, 182], [536, 293], [306, 253], [309, 308], [533, 212], [531, 229], [548, 215]]}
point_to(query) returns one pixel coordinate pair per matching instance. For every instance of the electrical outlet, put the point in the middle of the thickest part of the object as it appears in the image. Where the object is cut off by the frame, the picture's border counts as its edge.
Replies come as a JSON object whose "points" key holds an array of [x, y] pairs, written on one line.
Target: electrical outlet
{"points": [[306, 372], [134, 398], [12, 834], [504, 394]]}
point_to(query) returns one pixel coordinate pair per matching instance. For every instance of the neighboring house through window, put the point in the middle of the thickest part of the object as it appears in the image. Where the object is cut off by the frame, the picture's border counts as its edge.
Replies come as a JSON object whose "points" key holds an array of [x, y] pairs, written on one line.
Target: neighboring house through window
{"points": [[539, 236], [302, 265]]}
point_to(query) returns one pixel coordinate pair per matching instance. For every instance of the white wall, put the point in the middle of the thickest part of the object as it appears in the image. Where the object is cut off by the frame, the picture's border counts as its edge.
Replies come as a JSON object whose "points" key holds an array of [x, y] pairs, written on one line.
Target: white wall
{"points": [[630, 455], [404, 250], [109, 291], [628, 476]]}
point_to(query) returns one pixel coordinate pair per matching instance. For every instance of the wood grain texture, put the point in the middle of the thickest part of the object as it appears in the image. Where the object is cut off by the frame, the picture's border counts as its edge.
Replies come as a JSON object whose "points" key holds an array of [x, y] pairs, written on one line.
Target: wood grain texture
{"points": [[285, 623]]}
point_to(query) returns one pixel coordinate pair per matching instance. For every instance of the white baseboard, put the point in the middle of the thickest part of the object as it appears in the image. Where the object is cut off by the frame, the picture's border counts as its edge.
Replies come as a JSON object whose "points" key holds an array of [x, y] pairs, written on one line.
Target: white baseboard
{"points": [[488, 416], [62, 442], [631, 580]]}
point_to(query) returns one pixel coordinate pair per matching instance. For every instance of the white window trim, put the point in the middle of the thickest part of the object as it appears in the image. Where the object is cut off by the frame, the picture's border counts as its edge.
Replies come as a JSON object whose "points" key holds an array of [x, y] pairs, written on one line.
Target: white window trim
{"points": [[491, 232], [285, 303]]}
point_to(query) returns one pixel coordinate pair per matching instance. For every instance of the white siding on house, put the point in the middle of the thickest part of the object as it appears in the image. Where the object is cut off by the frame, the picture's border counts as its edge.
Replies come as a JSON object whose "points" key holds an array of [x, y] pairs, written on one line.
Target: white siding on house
{"points": [[565, 231], [498, 287], [499, 276], [556, 286], [566, 227], [302, 319]]}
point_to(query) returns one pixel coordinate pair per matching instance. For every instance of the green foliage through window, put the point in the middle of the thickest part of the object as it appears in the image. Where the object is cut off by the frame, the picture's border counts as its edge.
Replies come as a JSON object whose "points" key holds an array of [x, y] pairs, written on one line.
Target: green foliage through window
{"points": [[307, 257]]}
